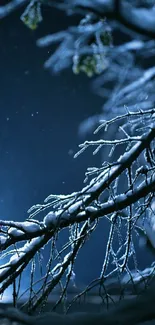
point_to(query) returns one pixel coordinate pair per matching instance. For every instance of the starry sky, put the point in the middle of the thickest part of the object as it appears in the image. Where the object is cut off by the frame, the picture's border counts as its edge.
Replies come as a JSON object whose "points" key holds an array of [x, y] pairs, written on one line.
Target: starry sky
{"points": [[39, 119]]}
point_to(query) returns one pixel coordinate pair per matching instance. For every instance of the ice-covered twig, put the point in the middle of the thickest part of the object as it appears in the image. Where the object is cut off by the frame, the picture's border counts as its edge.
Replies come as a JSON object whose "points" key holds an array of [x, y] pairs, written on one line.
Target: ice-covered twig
{"points": [[10, 7]]}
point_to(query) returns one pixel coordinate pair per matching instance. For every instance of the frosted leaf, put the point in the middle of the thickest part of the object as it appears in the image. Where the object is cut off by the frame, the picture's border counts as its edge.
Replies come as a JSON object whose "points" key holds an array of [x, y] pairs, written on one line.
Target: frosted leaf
{"points": [[32, 16]]}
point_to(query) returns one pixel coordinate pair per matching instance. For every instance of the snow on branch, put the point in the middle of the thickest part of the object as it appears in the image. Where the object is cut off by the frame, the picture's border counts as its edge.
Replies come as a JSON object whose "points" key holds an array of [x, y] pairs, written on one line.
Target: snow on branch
{"points": [[122, 189], [124, 12], [10, 7], [81, 211]]}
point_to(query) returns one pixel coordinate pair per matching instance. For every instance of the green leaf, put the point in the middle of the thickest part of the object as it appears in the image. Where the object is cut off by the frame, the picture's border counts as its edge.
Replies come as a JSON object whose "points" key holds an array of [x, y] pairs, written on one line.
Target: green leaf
{"points": [[32, 15]]}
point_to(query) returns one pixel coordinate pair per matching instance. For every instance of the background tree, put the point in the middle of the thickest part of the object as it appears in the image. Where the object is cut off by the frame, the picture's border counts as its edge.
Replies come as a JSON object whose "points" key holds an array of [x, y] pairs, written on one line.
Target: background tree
{"points": [[121, 190]]}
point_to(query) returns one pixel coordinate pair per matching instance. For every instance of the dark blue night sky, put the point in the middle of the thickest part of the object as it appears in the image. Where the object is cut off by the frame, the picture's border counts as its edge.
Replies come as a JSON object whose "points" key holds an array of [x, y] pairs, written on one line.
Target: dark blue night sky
{"points": [[39, 119]]}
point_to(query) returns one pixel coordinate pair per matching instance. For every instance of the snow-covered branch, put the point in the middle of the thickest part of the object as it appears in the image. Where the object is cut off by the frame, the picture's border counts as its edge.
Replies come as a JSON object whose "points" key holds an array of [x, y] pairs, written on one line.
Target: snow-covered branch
{"points": [[10, 7], [122, 189], [124, 12], [80, 212]]}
